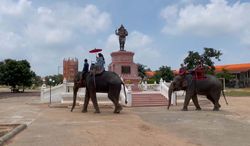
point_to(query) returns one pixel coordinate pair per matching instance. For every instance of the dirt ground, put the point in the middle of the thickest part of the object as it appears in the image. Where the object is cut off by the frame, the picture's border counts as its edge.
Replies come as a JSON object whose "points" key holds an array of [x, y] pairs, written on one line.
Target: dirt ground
{"points": [[144, 126]]}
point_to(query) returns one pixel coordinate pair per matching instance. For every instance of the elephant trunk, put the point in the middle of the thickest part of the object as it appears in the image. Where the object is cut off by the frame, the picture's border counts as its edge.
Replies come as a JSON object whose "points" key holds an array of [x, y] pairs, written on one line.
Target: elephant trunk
{"points": [[75, 89], [170, 91]]}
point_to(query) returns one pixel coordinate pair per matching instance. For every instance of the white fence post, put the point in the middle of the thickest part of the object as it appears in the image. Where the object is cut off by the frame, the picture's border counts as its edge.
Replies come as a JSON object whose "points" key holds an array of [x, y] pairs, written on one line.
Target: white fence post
{"points": [[42, 91]]}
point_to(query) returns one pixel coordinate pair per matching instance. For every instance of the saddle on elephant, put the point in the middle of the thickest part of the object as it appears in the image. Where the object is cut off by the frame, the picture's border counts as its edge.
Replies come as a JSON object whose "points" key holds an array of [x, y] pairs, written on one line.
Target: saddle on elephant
{"points": [[96, 69]]}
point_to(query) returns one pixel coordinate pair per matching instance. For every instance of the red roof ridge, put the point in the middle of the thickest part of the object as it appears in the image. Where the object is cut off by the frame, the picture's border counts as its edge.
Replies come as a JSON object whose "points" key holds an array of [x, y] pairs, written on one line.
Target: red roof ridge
{"points": [[233, 67]]}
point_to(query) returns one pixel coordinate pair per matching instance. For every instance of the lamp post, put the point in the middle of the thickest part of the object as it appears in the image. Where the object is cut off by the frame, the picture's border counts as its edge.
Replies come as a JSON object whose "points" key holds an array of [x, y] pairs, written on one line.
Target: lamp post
{"points": [[58, 69], [50, 90], [50, 82]]}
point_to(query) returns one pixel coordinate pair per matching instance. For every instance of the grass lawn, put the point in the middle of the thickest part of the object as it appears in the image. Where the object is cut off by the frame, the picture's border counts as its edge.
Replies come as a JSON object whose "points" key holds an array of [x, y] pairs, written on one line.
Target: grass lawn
{"points": [[238, 92]]}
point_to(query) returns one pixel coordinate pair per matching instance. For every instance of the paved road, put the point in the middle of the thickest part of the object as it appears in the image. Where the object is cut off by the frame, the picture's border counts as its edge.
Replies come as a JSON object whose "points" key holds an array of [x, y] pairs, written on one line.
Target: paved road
{"points": [[205, 127], [59, 127], [134, 126]]}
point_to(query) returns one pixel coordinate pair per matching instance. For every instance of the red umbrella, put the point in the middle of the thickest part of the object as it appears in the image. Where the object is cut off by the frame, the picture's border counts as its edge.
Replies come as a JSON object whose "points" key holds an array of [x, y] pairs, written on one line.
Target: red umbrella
{"points": [[95, 50]]}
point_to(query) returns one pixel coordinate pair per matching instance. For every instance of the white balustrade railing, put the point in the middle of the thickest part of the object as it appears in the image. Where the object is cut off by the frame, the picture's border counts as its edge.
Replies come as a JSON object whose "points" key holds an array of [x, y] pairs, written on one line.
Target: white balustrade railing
{"points": [[57, 93], [149, 87], [128, 94], [51, 94], [65, 90], [163, 88]]}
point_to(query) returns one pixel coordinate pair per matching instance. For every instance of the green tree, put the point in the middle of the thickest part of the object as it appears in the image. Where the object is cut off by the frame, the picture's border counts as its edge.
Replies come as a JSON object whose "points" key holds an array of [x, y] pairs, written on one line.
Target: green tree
{"points": [[37, 81], [193, 59], [166, 73], [163, 72], [226, 75], [16, 73], [2, 70], [57, 79], [156, 77], [141, 70]]}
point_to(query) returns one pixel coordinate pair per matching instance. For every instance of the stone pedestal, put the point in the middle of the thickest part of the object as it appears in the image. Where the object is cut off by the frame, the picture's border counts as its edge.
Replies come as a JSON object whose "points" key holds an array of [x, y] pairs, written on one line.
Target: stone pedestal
{"points": [[123, 64]]}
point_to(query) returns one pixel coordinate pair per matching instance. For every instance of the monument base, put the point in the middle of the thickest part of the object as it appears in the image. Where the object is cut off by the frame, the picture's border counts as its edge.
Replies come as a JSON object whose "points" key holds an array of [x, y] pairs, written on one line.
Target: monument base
{"points": [[122, 64]]}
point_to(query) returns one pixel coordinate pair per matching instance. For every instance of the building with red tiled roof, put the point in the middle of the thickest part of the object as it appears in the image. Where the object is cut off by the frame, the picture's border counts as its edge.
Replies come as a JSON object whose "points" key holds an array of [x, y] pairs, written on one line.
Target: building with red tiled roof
{"points": [[233, 68], [150, 73], [241, 72]]}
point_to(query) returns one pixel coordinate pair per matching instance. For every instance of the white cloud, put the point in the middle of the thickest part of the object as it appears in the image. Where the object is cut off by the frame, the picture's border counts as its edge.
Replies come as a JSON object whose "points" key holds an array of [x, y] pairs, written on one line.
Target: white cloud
{"points": [[58, 25], [112, 43], [92, 19], [217, 17], [47, 33], [139, 40], [15, 9]]}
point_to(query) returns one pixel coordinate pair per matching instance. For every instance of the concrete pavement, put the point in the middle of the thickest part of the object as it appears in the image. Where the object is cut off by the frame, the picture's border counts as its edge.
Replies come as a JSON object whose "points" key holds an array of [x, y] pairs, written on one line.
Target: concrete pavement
{"points": [[134, 126]]}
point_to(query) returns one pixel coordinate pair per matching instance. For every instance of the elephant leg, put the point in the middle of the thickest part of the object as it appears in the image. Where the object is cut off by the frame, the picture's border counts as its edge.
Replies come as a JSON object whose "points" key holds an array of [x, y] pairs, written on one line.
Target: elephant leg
{"points": [[188, 96], [118, 107], [75, 90], [211, 99], [196, 103], [94, 101], [86, 102], [114, 97], [217, 106], [215, 102]]}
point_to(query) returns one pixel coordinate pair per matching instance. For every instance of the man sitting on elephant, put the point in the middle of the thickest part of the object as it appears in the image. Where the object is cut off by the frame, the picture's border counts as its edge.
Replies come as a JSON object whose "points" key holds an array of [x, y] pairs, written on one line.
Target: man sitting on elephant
{"points": [[85, 67], [182, 70], [199, 71]]}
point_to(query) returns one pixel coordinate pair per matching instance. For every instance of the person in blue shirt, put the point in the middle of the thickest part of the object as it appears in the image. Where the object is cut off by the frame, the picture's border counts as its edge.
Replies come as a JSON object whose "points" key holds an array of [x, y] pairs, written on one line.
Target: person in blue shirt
{"points": [[100, 61], [85, 66]]}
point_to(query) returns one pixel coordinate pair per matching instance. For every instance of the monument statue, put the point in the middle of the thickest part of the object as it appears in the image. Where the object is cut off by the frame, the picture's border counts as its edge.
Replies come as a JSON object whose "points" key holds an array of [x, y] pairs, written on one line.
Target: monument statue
{"points": [[122, 33]]}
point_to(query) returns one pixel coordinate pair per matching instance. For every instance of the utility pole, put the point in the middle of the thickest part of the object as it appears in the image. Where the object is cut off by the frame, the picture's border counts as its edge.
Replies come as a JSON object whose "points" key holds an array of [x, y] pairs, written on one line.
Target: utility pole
{"points": [[58, 69]]}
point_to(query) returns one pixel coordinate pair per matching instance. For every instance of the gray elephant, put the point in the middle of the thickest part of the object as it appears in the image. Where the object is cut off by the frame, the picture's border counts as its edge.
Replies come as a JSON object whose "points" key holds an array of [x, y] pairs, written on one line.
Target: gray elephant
{"points": [[210, 86], [106, 82]]}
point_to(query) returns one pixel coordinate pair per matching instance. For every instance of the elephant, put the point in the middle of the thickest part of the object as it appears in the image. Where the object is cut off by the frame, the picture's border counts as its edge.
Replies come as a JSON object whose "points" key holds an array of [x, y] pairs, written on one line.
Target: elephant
{"points": [[210, 86], [106, 82]]}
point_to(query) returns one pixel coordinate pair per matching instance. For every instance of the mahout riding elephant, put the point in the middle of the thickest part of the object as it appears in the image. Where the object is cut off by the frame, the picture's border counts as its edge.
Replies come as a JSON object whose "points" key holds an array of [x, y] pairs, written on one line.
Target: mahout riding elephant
{"points": [[106, 82], [210, 86]]}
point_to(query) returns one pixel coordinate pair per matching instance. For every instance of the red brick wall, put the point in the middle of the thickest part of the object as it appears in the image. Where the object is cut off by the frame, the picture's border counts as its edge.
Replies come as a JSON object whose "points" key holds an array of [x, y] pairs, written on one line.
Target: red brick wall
{"points": [[70, 68]]}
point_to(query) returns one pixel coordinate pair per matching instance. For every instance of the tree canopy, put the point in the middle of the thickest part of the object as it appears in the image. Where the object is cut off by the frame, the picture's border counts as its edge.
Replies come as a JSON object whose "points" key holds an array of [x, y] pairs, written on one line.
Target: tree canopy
{"points": [[226, 75], [166, 73], [57, 79], [16, 73], [141, 70], [163, 72], [193, 59]]}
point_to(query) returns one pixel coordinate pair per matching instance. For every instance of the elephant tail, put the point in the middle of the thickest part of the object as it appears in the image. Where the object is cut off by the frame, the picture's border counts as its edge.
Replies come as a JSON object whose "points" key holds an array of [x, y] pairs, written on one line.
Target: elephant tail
{"points": [[126, 100], [224, 96]]}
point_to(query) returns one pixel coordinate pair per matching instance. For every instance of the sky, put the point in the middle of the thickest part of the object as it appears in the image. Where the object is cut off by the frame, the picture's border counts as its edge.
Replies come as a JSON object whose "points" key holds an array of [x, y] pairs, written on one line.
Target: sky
{"points": [[160, 32]]}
